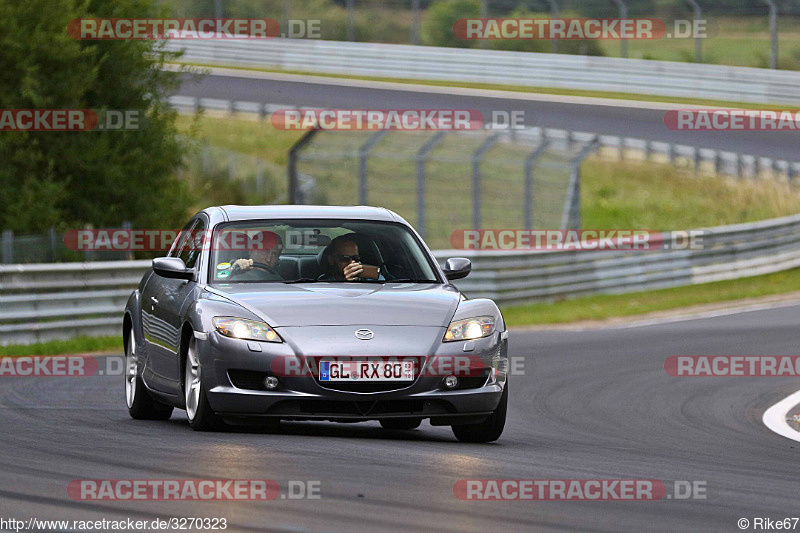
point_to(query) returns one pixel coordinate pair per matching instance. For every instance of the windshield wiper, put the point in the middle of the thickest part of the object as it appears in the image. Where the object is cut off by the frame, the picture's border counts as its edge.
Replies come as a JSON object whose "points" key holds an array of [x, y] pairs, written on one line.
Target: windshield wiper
{"points": [[364, 280]]}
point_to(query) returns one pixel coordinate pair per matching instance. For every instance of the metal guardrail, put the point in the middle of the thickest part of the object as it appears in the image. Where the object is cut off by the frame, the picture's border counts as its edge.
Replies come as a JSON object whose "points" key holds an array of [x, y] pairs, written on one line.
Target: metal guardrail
{"points": [[49, 301], [728, 252], [642, 76]]}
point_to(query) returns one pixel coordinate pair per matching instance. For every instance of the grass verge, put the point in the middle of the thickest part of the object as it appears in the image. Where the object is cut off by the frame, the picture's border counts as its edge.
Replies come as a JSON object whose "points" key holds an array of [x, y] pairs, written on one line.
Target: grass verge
{"points": [[78, 345], [659, 196], [605, 306]]}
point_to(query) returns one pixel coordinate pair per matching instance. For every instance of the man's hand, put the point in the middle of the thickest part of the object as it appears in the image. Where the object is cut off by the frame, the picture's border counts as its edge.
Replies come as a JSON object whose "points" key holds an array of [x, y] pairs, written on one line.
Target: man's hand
{"points": [[352, 271], [243, 264]]}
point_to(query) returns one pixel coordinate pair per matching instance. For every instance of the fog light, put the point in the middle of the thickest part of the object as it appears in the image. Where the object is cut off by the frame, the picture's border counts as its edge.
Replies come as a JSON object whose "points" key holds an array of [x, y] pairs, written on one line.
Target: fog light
{"points": [[271, 382], [451, 382]]}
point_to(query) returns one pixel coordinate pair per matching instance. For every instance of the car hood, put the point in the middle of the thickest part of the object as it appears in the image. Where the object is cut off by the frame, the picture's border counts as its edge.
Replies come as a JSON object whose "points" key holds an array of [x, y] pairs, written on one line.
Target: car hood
{"points": [[345, 304]]}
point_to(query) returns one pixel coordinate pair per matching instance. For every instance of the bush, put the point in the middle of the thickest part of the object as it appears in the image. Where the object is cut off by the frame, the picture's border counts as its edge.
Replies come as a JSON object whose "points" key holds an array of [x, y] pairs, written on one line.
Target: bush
{"points": [[437, 23], [587, 47], [437, 30]]}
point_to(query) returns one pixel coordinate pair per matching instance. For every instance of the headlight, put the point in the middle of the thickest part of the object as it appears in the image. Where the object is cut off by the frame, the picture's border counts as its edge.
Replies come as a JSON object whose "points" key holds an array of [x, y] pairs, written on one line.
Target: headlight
{"points": [[240, 328], [469, 328]]}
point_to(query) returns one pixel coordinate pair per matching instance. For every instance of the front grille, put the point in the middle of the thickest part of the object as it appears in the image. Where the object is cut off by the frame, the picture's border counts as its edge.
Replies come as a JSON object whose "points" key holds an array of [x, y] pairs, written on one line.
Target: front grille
{"points": [[369, 386], [473, 382], [366, 386], [360, 409]]}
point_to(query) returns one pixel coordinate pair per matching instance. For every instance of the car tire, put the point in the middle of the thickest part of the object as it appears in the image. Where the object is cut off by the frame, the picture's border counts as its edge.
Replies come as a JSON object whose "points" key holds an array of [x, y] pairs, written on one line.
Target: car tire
{"points": [[490, 429], [198, 411], [141, 406], [401, 423]]}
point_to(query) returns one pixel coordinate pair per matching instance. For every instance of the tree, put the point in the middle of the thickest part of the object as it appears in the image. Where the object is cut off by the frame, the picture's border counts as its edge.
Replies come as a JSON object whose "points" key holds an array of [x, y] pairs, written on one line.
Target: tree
{"points": [[69, 179]]}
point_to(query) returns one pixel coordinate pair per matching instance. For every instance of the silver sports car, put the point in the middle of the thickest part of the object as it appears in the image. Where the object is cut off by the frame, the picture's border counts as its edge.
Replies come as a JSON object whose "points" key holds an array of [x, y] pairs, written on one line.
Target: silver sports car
{"points": [[267, 313]]}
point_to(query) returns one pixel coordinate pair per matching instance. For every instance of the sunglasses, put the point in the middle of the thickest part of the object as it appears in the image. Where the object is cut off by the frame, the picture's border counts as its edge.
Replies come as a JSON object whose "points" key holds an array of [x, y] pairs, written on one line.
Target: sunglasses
{"points": [[347, 258]]}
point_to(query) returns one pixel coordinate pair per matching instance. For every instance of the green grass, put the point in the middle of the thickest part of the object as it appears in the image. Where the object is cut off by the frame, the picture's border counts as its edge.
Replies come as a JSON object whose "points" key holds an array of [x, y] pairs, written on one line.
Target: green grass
{"points": [[661, 197], [252, 137], [514, 88], [258, 159], [77, 345], [605, 306]]}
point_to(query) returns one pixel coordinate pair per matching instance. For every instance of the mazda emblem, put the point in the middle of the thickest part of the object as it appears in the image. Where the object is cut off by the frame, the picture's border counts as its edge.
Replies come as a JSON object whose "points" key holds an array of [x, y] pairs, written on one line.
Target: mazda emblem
{"points": [[364, 334]]}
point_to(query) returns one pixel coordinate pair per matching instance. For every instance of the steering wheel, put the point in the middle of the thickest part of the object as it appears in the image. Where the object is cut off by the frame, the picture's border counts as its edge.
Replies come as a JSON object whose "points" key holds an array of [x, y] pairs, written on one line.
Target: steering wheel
{"points": [[265, 267], [235, 270]]}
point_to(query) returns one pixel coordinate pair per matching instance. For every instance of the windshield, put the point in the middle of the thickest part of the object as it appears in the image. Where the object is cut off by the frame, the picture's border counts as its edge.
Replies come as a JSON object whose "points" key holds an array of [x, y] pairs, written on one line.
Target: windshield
{"points": [[317, 251]]}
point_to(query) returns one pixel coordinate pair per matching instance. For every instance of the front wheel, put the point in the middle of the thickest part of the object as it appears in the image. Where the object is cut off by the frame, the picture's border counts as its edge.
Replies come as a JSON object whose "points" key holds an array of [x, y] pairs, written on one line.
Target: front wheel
{"points": [[490, 429], [198, 411], [141, 406]]}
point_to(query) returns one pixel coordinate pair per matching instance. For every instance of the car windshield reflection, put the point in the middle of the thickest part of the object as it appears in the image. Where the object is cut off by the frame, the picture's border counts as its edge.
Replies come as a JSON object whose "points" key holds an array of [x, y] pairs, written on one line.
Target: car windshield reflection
{"points": [[318, 251]]}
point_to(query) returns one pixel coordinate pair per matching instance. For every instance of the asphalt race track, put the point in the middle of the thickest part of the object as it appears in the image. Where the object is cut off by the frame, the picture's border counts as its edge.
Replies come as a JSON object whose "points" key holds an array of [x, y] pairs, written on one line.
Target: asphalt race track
{"points": [[592, 404], [622, 119]]}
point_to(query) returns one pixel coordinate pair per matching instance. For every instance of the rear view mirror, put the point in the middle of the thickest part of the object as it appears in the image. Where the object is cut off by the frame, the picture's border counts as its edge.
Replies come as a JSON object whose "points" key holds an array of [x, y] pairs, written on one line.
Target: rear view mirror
{"points": [[172, 267], [457, 268]]}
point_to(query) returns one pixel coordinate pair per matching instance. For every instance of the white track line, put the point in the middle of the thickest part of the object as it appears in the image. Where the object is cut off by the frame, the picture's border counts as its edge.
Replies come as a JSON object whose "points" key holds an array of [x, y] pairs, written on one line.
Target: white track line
{"points": [[775, 417]]}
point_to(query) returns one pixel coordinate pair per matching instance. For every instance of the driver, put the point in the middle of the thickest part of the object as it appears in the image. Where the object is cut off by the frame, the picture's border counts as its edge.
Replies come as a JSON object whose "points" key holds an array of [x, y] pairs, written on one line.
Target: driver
{"points": [[264, 257]]}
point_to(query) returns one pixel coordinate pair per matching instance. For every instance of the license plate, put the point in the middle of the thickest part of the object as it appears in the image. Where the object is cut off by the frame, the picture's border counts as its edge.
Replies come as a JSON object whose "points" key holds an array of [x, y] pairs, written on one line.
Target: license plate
{"points": [[366, 371]]}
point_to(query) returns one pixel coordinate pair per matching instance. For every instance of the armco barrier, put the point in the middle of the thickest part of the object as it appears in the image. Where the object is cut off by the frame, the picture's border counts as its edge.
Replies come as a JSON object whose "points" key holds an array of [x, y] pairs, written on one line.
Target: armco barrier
{"points": [[49, 301], [41, 302], [664, 78], [728, 252]]}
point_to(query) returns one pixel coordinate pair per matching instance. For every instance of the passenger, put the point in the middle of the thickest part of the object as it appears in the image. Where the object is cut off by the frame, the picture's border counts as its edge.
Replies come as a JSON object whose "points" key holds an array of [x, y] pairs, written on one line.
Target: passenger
{"points": [[344, 262]]}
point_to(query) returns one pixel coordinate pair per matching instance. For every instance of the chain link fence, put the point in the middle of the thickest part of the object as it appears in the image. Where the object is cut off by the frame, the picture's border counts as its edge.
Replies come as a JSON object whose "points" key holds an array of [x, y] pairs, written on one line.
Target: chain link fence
{"points": [[220, 176], [444, 181]]}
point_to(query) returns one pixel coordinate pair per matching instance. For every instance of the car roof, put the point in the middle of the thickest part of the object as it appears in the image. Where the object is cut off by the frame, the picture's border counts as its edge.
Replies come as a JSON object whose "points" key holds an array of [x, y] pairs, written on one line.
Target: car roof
{"points": [[354, 212]]}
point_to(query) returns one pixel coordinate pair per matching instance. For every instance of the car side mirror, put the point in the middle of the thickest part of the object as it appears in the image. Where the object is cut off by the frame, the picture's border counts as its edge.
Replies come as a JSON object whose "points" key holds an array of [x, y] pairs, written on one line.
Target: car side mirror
{"points": [[457, 268], [172, 267]]}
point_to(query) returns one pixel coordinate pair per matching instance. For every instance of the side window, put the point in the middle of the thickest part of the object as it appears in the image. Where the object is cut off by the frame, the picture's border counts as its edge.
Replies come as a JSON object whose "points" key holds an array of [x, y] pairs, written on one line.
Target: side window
{"points": [[180, 241], [194, 244]]}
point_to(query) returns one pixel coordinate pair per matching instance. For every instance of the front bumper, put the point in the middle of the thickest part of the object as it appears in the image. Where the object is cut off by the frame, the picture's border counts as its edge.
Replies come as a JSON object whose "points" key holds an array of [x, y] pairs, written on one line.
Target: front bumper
{"points": [[231, 371]]}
